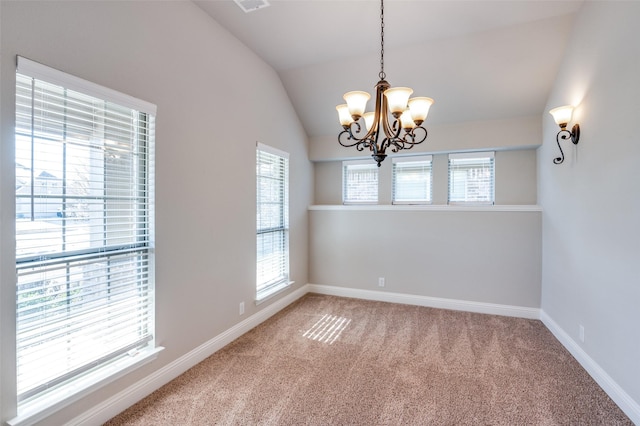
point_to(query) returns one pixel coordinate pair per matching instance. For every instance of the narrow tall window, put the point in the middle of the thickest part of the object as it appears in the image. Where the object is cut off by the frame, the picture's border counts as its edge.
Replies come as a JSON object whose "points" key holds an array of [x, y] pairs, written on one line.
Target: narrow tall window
{"points": [[412, 180], [359, 182], [84, 233], [272, 206], [471, 178]]}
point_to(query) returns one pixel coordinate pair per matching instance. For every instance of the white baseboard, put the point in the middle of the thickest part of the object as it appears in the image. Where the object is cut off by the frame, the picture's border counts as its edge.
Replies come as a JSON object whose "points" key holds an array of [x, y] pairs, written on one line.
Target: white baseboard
{"points": [[129, 396], [432, 302], [630, 407]]}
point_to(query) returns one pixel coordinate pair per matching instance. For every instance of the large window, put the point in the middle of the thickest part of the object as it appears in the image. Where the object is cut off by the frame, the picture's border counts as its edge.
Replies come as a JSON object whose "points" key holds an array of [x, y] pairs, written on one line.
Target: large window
{"points": [[471, 178], [84, 233], [272, 205], [412, 180], [359, 182]]}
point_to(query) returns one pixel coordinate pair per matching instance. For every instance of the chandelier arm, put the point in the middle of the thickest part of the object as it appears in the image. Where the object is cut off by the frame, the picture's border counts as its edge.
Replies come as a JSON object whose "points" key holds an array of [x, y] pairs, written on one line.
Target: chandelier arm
{"points": [[346, 133], [396, 128], [391, 131], [362, 145], [370, 135], [415, 136], [398, 144], [383, 146], [346, 136]]}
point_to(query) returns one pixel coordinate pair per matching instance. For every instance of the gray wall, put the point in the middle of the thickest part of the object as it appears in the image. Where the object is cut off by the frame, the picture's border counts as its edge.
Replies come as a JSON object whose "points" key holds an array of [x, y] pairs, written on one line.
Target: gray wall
{"points": [[489, 256], [591, 221], [480, 256], [199, 76]]}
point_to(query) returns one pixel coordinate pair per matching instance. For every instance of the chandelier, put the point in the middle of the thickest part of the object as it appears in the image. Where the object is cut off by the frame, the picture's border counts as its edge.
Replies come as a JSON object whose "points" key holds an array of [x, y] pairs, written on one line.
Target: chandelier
{"points": [[402, 132]]}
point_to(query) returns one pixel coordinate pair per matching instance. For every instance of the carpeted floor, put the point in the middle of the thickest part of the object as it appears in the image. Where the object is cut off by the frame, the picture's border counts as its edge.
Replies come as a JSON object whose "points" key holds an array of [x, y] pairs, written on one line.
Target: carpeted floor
{"points": [[327, 360]]}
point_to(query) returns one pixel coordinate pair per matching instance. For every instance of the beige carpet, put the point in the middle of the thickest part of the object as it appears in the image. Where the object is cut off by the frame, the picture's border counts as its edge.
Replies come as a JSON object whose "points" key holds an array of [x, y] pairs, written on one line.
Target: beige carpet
{"points": [[336, 361]]}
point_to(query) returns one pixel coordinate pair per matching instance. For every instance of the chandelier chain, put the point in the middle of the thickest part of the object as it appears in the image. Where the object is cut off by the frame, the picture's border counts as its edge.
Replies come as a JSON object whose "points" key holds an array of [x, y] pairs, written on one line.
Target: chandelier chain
{"points": [[382, 74]]}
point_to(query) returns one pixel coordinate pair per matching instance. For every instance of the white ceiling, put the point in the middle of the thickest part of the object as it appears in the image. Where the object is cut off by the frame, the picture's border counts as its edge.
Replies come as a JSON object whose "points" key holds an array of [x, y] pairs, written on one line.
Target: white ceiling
{"points": [[478, 59]]}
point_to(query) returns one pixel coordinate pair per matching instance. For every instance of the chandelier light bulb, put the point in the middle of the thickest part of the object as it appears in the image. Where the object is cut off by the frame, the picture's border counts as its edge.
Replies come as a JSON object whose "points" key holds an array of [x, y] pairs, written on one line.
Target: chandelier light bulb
{"points": [[397, 98], [419, 108], [344, 116], [357, 103]]}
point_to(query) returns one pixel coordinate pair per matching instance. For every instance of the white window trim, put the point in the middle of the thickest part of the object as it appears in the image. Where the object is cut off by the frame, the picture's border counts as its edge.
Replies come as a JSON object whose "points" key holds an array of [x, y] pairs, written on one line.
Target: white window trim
{"points": [[272, 150], [430, 207], [52, 75], [411, 159], [355, 163], [272, 292], [84, 384], [475, 154], [471, 155], [40, 409], [269, 292]]}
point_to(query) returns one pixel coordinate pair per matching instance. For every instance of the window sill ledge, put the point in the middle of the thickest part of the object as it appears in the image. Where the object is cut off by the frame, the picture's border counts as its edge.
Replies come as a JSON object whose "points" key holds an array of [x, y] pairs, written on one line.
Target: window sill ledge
{"points": [[429, 207], [44, 406], [272, 292]]}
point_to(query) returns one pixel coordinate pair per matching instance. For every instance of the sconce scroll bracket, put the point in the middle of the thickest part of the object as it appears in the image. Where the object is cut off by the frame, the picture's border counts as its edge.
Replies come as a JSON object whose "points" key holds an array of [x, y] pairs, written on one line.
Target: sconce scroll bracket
{"points": [[564, 134]]}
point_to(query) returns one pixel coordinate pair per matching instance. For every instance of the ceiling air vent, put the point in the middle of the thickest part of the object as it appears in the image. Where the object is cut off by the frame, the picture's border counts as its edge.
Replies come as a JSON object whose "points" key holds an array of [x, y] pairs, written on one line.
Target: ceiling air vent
{"points": [[251, 5]]}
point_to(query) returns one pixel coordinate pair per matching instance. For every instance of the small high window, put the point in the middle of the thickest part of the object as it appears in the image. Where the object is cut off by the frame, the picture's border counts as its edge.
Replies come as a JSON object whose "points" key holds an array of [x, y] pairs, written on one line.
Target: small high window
{"points": [[412, 180], [360, 182], [471, 178]]}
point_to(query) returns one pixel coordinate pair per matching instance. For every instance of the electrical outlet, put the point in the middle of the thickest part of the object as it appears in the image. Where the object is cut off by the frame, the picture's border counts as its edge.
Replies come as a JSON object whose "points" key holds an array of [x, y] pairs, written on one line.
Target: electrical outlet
{"points": [[241, 308], [581, 333], [381, 282]]}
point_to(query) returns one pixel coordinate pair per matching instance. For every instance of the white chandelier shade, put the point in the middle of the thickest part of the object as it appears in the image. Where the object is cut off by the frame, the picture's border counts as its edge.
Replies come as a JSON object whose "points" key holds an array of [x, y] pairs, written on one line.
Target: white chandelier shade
{"points": [[416, 109]]}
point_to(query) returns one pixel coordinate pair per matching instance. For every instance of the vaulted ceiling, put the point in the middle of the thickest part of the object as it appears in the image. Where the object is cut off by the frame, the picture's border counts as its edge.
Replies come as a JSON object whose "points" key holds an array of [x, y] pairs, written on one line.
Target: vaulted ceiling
{"points": [[478, 59]]}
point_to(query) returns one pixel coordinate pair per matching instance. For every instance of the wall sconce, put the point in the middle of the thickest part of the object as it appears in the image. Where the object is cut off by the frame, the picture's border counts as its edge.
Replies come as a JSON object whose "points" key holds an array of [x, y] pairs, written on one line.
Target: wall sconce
{"points": [[562, 117]]}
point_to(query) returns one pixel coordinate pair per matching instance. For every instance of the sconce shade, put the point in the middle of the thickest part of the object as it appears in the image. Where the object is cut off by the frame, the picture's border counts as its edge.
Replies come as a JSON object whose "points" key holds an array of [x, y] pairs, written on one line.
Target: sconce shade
{"points": [[562, 115], [343, 115], [357, 102], [419, 108], [397, 97]]}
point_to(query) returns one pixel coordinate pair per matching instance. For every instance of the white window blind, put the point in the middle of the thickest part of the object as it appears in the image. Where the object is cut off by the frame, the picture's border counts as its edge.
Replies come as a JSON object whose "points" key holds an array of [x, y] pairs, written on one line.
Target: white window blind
{"points": [[412, 180], [84, 215], [359, 182], [272, 206], [471, 178]]}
